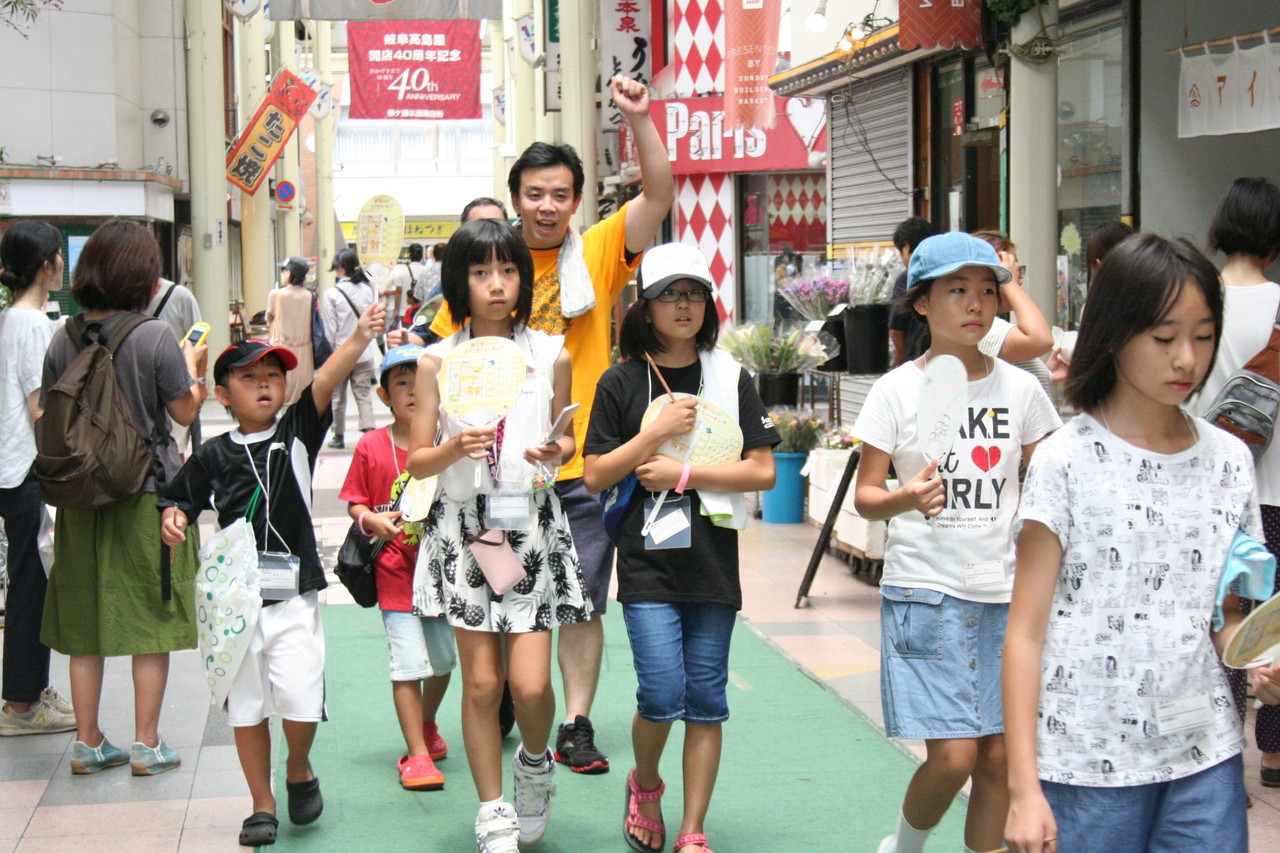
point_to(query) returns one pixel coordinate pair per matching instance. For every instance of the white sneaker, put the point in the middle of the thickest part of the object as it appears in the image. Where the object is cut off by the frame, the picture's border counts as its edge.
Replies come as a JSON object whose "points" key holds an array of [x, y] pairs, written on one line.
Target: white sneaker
{"points": [[497, 829], [42, 718], [534, 789], [889, 845], [53, 699]]}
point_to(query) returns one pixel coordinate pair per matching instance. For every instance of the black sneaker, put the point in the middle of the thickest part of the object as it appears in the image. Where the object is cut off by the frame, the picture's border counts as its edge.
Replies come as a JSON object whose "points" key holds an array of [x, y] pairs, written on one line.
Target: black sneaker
{"points": [[576, 747], [337, 442]]}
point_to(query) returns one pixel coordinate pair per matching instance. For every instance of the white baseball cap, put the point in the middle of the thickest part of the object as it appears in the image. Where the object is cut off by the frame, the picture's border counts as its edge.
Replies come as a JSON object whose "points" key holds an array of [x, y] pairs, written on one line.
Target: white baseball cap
{"points": [[671, 262]]}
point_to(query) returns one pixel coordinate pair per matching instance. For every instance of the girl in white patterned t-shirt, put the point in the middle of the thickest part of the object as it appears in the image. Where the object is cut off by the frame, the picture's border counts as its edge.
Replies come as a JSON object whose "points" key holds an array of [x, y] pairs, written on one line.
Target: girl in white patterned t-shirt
{"points": [[1116, 702]]}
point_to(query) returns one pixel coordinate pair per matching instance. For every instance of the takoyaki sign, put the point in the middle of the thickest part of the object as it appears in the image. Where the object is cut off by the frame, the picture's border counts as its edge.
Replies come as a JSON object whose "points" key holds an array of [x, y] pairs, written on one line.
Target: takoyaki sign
{"points": [[262, 141]]}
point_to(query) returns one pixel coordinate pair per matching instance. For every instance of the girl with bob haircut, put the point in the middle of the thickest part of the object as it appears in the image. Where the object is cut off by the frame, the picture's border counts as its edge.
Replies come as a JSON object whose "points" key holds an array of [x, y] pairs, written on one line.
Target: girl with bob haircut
{"points": [[487, 278], [106, 593], [30, 266], [1127, 518], [480, 242], [1246, 228], [679, 621], [949, 562]]}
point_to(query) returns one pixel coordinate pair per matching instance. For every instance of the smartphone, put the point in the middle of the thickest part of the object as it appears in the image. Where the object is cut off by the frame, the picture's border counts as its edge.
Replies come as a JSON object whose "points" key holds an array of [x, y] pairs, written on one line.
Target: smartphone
{"points": [[196, 334], [561, 424]]}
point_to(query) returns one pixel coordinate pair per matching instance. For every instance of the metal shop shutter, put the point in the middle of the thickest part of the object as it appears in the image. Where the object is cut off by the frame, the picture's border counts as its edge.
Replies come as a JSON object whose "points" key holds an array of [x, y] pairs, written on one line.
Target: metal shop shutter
{"points": [[870, 139]]}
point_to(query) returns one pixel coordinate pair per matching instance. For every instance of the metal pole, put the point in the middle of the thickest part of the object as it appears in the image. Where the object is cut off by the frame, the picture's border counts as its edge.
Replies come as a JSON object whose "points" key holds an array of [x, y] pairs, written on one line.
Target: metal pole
{"points": [[206, 141], [288, 222], [578, 115], [1033, 194], [255, 210], [326, 222]]}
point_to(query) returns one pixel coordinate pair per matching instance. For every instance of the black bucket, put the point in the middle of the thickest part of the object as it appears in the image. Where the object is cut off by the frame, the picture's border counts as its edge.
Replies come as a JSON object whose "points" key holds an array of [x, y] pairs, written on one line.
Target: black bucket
{"points": [[866, 339], [779, 390]]}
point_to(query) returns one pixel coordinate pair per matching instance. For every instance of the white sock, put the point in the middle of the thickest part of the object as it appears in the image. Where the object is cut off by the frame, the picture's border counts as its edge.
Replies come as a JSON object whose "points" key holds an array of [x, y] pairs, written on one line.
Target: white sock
{"points": [[910, 839], [528, 759], [968, 849], [496, 802]]}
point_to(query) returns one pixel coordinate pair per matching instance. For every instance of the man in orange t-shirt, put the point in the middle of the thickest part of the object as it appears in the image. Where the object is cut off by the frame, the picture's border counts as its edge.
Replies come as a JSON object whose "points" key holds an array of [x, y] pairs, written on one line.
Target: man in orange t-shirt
{"points": [[546, 188]]}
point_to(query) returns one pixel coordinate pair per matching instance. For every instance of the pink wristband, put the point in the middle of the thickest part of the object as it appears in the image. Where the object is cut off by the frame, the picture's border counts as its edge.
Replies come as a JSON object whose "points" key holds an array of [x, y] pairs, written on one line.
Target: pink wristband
{"points": [[684, 479], [360, 523]]}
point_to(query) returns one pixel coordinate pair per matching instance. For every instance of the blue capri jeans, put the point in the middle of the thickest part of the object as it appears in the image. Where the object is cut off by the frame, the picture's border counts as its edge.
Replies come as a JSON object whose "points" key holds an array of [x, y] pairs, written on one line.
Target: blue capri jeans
{"points": [[681, 654]]}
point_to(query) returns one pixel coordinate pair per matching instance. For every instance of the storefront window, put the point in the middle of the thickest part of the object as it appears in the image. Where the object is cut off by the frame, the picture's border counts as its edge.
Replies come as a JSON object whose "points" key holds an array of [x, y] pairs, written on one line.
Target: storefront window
{"points": [[1090, 149], [968, 100], [784, 236]]}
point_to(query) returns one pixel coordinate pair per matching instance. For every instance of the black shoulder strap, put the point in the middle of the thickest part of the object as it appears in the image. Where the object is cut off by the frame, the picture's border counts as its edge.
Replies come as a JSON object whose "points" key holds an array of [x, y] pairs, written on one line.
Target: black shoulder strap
{"points": [[343, 293], [165, 301]]}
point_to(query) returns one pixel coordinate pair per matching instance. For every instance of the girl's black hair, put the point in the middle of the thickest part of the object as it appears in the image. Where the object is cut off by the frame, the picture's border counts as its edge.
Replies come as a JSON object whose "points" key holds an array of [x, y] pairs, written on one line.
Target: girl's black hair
{"points": [[1247, 221], [1103, 239], [350, 261], [25, 247], [636, 337], [479, 242], [1136, 287]]}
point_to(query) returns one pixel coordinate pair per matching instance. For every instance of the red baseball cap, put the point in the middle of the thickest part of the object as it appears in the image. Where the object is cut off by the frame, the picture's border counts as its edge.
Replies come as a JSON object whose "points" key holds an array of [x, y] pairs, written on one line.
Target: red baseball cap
{"points": [[246, 353]]}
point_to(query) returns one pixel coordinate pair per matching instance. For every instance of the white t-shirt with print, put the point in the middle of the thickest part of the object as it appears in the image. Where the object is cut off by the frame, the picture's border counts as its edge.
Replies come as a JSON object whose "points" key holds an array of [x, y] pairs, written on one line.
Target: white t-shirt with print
{"points": [[1132, 688], [968, 551], [24, 337], [1248, 313]]}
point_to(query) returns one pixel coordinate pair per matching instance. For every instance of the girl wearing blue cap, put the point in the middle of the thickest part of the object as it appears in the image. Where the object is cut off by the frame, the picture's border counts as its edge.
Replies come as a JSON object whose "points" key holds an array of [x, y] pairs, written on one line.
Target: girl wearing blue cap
{"points": [[948, 566]]}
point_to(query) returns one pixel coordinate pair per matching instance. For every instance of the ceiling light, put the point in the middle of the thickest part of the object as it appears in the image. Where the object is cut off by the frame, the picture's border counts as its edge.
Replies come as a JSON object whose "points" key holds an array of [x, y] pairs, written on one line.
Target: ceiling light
{"points": [[817, 20]]}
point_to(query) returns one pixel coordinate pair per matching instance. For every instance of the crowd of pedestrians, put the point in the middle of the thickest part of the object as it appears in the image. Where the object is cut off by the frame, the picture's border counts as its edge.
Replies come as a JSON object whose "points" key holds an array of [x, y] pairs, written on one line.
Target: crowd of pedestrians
{"points": [[1054, 642]]}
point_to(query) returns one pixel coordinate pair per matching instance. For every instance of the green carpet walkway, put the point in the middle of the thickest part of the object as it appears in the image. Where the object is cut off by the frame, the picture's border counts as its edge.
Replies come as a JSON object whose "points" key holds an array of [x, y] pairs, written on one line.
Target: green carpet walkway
{"points": [[801, 771]]}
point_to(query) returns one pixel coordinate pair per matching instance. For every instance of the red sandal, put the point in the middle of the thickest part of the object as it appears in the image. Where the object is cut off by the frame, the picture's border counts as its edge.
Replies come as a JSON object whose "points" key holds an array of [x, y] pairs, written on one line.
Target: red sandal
{"points": [[635, 796], [691, 838]]}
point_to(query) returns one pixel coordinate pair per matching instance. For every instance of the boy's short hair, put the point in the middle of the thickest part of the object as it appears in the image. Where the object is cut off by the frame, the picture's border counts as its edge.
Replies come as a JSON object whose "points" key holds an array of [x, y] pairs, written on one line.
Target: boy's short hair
{"points": [[245, 353], [405, 355], [911, 231]]}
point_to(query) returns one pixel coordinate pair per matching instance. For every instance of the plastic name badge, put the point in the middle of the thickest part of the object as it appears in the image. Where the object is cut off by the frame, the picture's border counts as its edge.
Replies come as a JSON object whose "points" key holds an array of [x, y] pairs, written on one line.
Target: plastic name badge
{"points": [[278, 575]]}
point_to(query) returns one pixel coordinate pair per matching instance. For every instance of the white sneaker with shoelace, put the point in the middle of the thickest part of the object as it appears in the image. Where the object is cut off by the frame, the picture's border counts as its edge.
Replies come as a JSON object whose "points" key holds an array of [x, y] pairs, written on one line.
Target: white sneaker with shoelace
{"points": [[534, 789], [497, 830]]}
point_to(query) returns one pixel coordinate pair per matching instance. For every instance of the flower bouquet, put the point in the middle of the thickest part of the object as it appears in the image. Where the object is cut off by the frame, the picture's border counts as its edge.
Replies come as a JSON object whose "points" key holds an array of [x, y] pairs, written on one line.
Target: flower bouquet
{"points": [[873, 273], [800, 431], [813, 299], [761, 350], [839, 438]]}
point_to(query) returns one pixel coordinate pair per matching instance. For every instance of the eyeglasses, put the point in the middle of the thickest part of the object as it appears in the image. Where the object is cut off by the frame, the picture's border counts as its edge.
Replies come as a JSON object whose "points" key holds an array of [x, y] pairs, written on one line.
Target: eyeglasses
{"points": [[697, 294]]}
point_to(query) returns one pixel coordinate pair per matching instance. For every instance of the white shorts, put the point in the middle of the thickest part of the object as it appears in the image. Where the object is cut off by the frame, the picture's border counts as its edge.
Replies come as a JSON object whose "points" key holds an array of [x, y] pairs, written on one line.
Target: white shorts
{"points": [[283, 670]]}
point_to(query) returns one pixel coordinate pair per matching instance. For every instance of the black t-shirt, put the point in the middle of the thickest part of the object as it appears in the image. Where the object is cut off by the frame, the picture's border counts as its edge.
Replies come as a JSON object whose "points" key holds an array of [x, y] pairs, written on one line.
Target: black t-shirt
{"points": [[901, 321], [707, 571], [218, 476]]}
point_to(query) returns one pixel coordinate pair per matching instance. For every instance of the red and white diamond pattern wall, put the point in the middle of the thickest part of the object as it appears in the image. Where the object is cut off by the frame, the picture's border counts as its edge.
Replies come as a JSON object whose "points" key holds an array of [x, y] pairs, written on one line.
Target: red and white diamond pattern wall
{"points": [[704, 218], [698, 47], [798, 210]]}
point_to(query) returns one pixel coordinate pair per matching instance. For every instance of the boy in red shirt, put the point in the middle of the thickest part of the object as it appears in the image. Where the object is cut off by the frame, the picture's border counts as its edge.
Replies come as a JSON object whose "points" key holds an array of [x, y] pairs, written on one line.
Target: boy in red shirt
{"points": [[422, 649]]}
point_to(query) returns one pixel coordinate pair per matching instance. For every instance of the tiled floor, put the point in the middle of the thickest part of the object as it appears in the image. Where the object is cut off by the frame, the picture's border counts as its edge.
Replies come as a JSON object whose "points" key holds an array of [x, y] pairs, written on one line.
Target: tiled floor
{"points": [[198, 808]]}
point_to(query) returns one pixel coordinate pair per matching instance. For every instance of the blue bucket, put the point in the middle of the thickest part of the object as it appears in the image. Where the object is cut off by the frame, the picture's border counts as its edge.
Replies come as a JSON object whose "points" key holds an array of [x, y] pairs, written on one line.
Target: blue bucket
{"points": [[784, 503]]}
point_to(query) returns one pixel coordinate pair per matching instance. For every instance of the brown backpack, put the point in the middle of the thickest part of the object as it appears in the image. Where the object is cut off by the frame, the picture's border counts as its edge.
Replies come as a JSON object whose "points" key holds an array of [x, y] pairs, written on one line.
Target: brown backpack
{"points": [[89, 454]]}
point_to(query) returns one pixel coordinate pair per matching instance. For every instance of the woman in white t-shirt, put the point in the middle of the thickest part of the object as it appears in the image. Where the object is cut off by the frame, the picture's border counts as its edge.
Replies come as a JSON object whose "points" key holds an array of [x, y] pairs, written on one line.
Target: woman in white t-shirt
{"points": [[1122, 735], [31, 257], [1246, 228], [949, 562]]}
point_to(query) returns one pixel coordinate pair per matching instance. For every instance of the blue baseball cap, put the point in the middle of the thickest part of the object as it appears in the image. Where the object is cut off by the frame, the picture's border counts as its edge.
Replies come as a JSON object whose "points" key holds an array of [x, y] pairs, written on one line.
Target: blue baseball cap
{"points": [[943, 254], [403, 354]]}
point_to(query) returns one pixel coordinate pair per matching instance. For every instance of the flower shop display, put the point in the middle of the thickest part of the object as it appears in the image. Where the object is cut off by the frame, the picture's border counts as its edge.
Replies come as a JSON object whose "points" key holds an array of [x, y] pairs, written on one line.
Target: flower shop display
{"points": [[866, 321], [814, 298], [800, 433], [778, 358]]}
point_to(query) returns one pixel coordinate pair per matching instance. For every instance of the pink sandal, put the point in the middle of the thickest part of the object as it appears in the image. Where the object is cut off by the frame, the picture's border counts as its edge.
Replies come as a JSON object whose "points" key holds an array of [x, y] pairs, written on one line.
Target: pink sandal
{"points": [[635, 796], [691, 838]]}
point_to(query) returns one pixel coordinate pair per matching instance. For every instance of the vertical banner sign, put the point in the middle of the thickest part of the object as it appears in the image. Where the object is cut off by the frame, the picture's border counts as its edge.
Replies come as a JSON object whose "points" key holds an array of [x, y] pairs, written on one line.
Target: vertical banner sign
{"points": [[414, 69], [939, 23], [551, 70], [262, 141], [624, 49], [751, 34]]}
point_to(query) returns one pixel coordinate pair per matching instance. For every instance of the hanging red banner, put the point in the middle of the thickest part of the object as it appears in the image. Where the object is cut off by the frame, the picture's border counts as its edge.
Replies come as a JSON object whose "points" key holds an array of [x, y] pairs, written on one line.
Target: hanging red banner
{"points": [[751, 32], [414, 69], [939, 23], [262, 141]]}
